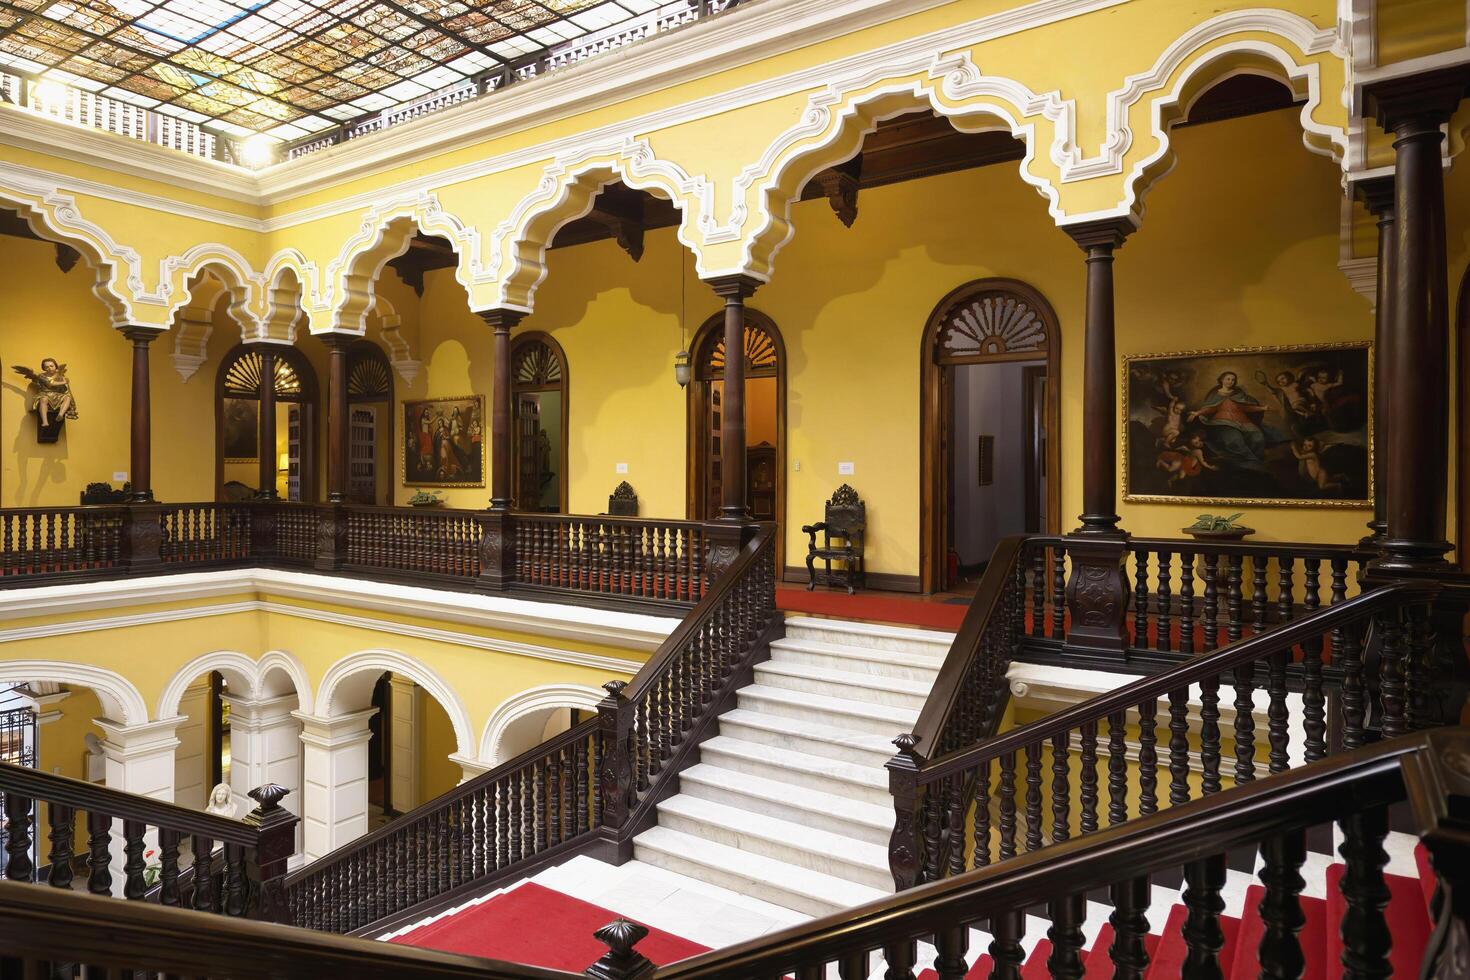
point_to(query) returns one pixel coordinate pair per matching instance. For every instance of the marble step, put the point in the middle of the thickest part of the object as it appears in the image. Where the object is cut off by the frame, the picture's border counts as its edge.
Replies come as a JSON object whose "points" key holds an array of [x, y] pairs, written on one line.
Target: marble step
{"points": [[856, 716], [788, 885], [803, 735], [857, 660], [829, 812], [867, 688], [841, 632], [783, 840], [862, 783]]}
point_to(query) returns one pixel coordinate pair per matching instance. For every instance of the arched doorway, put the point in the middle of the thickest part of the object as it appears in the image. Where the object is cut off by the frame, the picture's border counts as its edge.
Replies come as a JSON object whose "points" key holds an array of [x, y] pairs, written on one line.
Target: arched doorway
{"points": [[237, 423], [538, 384], [990, 447], [370, 434], [765, 421]]}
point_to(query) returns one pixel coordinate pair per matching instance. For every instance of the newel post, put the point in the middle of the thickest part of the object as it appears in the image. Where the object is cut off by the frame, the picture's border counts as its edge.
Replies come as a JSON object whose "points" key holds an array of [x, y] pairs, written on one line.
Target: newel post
{"points": [[615, 775], [621, 961], [1438, 793], [903, 785], [1097, 594], [276, 842]]}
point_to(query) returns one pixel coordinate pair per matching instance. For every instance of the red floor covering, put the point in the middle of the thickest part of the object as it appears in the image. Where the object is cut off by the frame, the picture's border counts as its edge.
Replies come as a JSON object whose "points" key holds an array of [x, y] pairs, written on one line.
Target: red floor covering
{"points": [[876, 608], [539, 927]]}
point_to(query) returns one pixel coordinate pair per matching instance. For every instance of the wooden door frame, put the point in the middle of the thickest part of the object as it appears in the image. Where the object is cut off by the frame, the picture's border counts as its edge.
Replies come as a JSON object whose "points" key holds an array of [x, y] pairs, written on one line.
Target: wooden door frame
{"points": [[697, 402], [1035, 465], [1462, 435], [521, 340], [366, 348], [935, 420], [307, 402]]}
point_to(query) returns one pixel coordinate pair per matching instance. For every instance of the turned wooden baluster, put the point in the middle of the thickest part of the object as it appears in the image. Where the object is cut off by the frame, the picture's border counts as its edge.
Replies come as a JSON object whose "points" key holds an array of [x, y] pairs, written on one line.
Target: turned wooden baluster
{"points": [[1117, 768], [900, 958], [1059, 593], [981, 857], [1417, 666], [1259, 602], [18, 863], [1039, 584], [1314, 715], [235, 886], [1067, 915], [1285, 572], [1061, 789], [1186, 601], [1007, 803], [133, 864], [1089, 777], [1277, 716], [1203, 936], [1006, 930], [1392, 652], [951, 944], [1148, 758], [168, 879], [1281, 907], [99, 836], [1211, 623], [1140, 601], [1165, 638], [1366, 940], [955, 833], [62, 820], [1033, 797], [1210, 734], [546, 780], [1354, 707], [1245, 724], [1129, 920], [1234, 624], [203, 848]]}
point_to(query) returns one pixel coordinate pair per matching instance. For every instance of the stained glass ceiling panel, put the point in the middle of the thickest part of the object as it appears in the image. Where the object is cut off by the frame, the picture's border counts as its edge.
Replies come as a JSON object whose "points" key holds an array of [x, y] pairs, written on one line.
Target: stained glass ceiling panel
{"points": [[258, 65]]}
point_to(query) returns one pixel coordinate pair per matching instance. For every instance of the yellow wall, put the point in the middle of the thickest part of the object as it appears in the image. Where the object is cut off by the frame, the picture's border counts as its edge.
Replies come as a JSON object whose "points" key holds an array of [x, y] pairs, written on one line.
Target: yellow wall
{"points": [[435, 744]]}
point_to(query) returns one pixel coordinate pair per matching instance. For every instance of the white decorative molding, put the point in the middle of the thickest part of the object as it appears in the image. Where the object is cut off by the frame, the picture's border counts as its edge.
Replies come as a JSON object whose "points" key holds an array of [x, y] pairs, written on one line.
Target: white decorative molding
{"points": [[531, 701], [375, 662], [120, 699], [251, 672]]}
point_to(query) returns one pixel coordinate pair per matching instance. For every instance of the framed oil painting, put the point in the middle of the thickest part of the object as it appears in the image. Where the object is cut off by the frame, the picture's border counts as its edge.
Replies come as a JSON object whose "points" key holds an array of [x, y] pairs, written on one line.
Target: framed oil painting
{"points": [[1259, 425], [241, 430], [444, 442]]}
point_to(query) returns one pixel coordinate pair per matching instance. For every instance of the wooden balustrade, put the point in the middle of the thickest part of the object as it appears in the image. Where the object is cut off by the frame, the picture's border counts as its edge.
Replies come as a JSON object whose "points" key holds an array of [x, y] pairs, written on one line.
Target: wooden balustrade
{"points": [[295, 532], [416, 540], [590, 789], [1194, 596], [1167, 738], [205, 533], [633, 557], [38, 542], [254, 851]]}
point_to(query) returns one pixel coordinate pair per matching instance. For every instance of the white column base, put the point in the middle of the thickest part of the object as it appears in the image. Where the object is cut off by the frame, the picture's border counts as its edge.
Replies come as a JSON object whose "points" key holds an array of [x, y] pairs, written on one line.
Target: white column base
{"points": [[335, 780], [139, 759]]}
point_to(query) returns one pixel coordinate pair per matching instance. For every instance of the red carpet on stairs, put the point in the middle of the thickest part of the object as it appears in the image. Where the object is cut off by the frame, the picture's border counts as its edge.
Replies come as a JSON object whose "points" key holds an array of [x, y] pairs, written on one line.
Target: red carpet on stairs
{"points": [[539, 927], [883, 609]]}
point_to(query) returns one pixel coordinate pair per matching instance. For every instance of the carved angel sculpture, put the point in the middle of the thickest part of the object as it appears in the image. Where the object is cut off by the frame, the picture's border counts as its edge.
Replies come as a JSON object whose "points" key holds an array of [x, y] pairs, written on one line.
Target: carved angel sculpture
{"points": [[54, 399]]}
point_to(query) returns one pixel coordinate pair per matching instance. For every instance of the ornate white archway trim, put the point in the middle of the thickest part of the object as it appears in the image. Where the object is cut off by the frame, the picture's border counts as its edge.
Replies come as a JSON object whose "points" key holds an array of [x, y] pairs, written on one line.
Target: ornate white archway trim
{"points": [[253, 671], [120, 699], [529, 701], [410, 667]]}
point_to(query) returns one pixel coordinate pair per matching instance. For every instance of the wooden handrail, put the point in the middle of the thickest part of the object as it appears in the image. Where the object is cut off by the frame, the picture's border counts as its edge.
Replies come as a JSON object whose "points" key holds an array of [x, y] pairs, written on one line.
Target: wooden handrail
{"points": [[1298, 549], [78, 794], [1425, 767], [43, 925], [1227, 658]]}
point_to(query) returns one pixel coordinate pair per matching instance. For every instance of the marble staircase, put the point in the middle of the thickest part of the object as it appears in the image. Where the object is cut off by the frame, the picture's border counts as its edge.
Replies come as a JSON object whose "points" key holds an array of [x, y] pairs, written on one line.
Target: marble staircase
{"points": [[789, 802]]}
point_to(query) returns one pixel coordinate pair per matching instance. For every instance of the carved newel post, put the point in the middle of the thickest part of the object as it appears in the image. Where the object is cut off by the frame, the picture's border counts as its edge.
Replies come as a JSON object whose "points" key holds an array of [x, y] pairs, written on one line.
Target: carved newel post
{"points": [[621, 961], [331, 525], [497, 552], [614, 766], [277, 827], [734, 527], [144, 532], [1097, 594], [904, 845]]}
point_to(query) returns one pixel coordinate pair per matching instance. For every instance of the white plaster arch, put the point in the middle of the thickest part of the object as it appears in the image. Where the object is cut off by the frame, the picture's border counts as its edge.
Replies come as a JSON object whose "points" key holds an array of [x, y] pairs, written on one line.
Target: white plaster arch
{"points": [[390, 331], [120, 699], [178, 274], [251, 673], [352, 678], [528, 702]]}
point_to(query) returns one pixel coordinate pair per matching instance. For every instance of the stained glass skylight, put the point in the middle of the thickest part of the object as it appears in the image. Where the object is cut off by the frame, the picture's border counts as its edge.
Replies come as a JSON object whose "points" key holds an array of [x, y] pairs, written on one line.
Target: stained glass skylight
{"points": [[286, 68]]}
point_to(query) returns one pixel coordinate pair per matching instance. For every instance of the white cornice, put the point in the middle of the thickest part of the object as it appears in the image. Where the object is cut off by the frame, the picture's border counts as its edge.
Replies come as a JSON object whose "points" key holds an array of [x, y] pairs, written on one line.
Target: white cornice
{"points": [[124, 195], [633, 631], [741, 37]]}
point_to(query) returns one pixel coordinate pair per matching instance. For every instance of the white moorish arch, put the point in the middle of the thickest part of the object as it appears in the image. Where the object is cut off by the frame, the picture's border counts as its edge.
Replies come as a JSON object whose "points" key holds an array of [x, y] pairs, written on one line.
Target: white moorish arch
{"points": [[530, 709], [348, 687], [119, 697]]}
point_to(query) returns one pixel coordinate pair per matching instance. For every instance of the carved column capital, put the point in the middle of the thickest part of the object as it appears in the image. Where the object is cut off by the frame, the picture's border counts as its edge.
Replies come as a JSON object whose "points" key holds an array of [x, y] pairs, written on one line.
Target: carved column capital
{"points": [[739, 286], [1417, 105], [1105, 234], [1376, 193], [501, 320]]}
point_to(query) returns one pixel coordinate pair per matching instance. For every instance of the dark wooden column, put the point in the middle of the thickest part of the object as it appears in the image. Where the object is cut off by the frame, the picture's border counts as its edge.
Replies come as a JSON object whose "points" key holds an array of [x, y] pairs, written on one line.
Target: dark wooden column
{"points": [[734, 508], [497, 551], [337, 422], [1377, 195], [1415, 432], [141, 446], [267, 422]]}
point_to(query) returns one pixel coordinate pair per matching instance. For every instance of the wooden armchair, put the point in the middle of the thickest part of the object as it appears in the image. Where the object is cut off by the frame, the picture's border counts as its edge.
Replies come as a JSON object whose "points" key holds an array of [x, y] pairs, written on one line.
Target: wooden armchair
{"points": [[623, 502], [846, 520]]}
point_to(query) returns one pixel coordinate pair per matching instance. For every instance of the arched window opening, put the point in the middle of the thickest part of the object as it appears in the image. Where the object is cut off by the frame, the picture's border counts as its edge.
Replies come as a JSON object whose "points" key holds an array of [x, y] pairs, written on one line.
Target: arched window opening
{"points": [[990, 448], [765, 421], [370, 431], [238, 424], [538, 372]]}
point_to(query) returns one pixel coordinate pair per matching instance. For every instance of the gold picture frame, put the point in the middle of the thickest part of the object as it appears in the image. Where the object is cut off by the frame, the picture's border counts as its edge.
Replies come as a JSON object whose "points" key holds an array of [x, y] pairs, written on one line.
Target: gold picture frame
{"points": [[1313, 438], [430, 423]]}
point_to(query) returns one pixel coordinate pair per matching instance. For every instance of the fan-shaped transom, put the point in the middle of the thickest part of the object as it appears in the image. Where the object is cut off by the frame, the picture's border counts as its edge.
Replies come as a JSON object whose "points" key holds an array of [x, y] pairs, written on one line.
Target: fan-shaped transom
{"points": [[991, 326], [369, 377], [761, 354], [242, 377], [536, 367]]}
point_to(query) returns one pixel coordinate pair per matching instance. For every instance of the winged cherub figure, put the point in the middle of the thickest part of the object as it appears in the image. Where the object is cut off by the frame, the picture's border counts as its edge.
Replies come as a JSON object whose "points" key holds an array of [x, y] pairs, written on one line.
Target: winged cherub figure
{"points": [[53, 391]]}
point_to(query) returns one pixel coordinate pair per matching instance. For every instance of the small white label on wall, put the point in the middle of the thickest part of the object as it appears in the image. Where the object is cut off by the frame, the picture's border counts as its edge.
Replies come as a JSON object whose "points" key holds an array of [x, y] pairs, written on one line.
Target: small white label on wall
{"points": [[844, 469], [622, 467], [797, 466], [119, 478]]}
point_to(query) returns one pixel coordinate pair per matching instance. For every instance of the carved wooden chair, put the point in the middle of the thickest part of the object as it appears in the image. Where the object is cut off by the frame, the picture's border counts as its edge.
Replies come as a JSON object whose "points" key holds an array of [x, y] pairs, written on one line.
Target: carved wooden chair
{"points": [[623, 501], [847, 521]]}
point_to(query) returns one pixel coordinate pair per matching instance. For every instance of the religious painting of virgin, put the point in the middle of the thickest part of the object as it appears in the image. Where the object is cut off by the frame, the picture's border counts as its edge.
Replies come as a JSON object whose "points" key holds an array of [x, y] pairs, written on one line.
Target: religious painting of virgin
{"points": [[444, 442], [1260, 425], [241, 430]]}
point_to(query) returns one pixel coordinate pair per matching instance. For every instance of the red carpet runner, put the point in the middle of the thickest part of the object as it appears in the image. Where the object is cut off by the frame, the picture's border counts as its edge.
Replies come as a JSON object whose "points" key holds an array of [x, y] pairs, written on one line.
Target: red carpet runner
{"points": [[538, 927], [874, 608]]}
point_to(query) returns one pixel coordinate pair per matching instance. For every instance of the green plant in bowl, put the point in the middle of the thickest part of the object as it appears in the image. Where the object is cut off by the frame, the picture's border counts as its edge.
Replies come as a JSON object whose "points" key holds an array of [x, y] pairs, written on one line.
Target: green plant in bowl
{"points": [[1218, 528], [425, 499]]}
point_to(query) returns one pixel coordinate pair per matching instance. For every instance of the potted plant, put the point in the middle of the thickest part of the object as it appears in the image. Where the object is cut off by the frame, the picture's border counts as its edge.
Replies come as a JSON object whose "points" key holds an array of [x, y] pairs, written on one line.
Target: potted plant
{"points": [[424, 499], [1210, 527]]}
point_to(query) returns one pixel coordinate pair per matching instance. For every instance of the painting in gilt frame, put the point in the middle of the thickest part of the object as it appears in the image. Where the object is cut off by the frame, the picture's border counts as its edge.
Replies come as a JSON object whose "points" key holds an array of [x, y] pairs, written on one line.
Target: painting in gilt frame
{"points": [[444, 442], [1282, 426]]}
